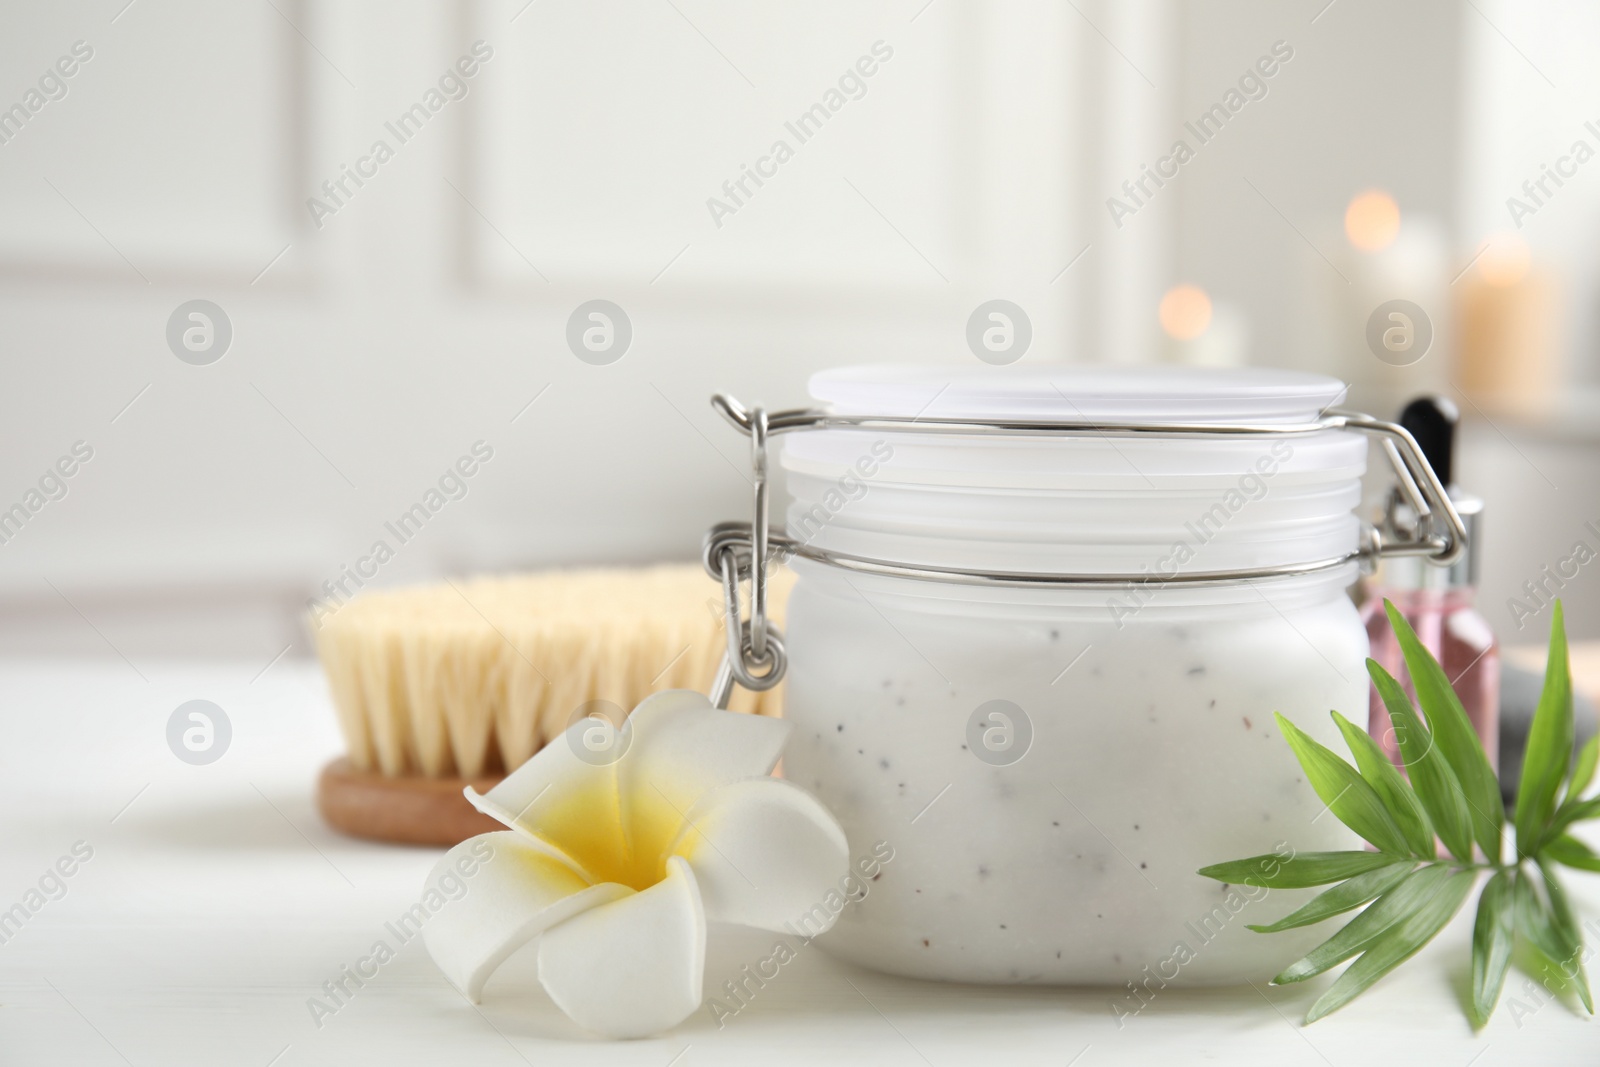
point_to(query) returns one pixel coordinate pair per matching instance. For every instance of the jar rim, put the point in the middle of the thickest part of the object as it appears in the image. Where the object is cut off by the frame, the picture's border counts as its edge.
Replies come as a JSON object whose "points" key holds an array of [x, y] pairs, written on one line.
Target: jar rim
{"points": [[1124, 393], [1085, 503]]}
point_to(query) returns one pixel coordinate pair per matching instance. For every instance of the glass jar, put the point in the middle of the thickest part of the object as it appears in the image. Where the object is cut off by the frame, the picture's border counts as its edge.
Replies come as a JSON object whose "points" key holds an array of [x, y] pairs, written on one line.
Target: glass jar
{"points": [[1051, 764]]}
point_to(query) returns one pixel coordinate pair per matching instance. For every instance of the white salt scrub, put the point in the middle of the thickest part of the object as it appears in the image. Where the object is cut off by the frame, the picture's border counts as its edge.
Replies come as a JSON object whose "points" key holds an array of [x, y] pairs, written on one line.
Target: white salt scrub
{"points": [[1052, 765]]}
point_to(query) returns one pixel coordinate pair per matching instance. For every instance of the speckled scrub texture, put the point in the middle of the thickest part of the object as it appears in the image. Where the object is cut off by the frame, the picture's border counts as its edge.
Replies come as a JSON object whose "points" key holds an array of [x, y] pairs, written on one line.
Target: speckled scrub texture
{"points": [[1153, 753]]}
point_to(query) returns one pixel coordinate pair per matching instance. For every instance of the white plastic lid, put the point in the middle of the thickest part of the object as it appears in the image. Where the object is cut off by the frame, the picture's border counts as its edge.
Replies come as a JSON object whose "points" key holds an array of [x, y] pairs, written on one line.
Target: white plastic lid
{"points": [[1090, 391], [1088, 503]]}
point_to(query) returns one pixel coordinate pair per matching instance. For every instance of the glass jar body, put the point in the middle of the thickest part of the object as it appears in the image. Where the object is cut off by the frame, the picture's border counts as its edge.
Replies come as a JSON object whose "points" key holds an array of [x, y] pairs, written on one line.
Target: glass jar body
{"points": [[1054, 837]]}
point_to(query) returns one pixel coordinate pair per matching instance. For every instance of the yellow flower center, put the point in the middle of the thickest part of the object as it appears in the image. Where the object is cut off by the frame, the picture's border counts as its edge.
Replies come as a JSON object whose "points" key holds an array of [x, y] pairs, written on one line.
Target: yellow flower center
{"points": [[613, 839]]}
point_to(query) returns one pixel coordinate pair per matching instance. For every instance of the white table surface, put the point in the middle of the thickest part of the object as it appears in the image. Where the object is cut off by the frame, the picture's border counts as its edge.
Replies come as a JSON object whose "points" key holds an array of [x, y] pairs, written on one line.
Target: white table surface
{"points": [[217, 903]]}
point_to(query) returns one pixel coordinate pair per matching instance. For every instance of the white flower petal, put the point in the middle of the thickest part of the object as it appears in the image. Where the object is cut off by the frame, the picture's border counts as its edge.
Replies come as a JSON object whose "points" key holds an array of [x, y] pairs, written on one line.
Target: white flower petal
{"points": [[682, 748], [633, 967], [514, 895], [765, 852], [565, 804]]}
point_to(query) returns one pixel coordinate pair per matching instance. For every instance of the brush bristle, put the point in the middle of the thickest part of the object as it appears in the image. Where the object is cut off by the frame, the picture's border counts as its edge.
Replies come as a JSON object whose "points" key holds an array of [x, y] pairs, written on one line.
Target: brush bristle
{"points": [[472, 678]]}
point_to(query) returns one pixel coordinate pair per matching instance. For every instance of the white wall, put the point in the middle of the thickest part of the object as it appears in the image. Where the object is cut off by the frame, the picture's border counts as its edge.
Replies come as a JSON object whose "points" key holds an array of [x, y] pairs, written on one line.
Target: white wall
{"points": [[1447, 106], [423, 316], [372, 351]]}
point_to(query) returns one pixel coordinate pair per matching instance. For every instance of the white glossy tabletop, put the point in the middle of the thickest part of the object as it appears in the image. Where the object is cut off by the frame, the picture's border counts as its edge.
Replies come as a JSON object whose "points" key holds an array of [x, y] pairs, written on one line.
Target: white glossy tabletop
{"points": [[216, 903]]}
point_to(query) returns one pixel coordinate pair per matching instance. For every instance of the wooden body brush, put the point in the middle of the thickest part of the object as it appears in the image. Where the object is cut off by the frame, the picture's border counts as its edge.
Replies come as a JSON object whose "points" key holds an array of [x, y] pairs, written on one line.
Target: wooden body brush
{"points": [[439, 687]]}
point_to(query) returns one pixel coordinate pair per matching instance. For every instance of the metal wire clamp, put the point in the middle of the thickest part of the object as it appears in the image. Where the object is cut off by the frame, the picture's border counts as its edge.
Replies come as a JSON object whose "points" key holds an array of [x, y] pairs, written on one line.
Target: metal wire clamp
{"points": [[734, 552]]}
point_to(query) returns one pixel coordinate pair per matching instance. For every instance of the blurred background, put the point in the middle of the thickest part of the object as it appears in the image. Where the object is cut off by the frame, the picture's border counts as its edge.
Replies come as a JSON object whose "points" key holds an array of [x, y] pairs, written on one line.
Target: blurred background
{"points": [[371, 315]]}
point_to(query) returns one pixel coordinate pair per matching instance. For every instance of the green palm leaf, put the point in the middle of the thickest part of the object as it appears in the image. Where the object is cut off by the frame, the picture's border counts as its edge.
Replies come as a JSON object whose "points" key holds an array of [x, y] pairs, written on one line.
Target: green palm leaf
{"points": [[1395, 906], [1552, 934], [1492, 938], [1583, 769], [1572, 852], [1568, 814], [1298, 871], [1566, 923], [1544, 763], [1351, 893], [1396, 945], [1387, 782], [1453, 733], [1431, 775], [1408, 889], [1347, 794]]}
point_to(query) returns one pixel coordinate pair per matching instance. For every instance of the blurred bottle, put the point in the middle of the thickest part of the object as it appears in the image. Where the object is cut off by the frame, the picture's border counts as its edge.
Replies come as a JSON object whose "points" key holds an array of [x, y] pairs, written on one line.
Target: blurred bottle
{"points": [[1438, 601]]}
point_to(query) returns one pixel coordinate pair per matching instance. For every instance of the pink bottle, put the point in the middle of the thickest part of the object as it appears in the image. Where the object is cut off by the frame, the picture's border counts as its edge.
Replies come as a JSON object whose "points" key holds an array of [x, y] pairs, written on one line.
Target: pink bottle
{"points": [[1438, 602]]}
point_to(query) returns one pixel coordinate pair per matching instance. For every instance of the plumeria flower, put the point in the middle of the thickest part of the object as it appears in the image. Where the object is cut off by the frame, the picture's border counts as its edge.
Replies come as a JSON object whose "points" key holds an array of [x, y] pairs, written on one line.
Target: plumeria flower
{"points": [[616, 862]]}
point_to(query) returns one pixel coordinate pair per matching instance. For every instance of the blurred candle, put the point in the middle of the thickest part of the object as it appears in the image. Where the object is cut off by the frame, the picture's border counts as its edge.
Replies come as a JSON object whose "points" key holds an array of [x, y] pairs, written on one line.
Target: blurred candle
{"points": [[1382, 254], [1507, 313], [1199, 332], [1185, 312], [1372, 221]]}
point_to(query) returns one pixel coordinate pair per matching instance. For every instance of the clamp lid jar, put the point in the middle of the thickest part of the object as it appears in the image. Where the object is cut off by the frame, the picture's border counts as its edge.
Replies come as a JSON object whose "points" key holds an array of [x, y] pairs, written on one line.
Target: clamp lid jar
{"points": [[1042, 619]]}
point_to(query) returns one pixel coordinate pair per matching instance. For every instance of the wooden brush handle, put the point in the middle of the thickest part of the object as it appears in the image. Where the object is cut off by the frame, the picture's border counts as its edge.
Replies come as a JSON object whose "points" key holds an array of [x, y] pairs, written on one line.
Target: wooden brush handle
{"points": [[410, 810]]}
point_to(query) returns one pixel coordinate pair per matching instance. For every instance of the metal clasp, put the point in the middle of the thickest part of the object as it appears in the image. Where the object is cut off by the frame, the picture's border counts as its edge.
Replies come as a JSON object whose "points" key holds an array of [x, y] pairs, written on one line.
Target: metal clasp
{"points": [[734, 552]]}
